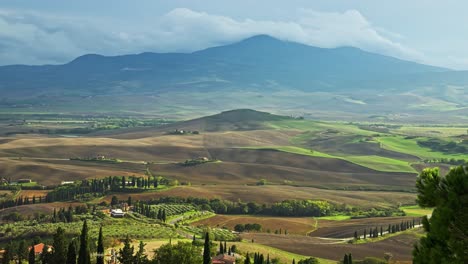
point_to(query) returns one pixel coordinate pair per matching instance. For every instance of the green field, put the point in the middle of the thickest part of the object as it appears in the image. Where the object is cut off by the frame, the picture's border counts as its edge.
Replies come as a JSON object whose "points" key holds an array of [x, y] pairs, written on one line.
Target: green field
{"points": [[414, 210], [410, 146]]}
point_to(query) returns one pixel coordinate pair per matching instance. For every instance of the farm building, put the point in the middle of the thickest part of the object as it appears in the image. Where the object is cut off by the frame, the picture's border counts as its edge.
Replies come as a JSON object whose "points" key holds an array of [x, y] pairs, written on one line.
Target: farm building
{"points": [[24, 181], [117, 213], [224, 259], [39, 248]]}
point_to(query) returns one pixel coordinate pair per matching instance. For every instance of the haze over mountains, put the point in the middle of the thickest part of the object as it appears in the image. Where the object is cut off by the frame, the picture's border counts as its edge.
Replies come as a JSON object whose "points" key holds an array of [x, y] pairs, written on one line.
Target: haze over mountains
{"points": [[260, 72]]}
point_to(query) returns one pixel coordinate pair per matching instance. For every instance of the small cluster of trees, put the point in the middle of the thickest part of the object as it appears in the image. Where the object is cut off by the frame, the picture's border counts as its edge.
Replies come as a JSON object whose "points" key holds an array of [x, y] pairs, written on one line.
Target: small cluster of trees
{"points": [[348, 259], [248, 227], [451, 161], [443, 146], [146, 210], [100, 187], [224, 249]]}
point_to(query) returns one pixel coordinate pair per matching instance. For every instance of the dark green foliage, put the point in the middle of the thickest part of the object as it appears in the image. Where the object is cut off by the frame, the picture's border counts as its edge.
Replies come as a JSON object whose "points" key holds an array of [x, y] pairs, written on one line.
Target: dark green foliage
{"points": [[46, 255], [140, 256], [84, 256], [126, 253], [310, 260], [247, 259], [71, 253], [114, 201], [32, 255], [59, 247], [22, 251], [100, 248], [182, 252], [447, 231], [207, 250]]}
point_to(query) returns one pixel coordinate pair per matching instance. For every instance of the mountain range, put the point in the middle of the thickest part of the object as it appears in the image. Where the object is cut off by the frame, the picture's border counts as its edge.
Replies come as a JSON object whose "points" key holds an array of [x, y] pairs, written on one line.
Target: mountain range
{"points": [[281, 76]]}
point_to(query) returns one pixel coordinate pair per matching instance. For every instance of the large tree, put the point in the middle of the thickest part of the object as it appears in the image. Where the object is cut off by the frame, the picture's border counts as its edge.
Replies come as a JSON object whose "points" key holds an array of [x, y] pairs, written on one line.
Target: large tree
{"points": [[84, 256], [32, 255], [100, 248], [182, 252], [447, 230], [207, 249], [126, 253], [59, 246], [71, 253]]}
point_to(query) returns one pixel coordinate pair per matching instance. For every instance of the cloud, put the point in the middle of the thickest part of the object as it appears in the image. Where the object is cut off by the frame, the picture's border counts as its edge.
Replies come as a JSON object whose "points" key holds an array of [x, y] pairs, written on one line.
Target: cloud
{"points": [[36, 38]]}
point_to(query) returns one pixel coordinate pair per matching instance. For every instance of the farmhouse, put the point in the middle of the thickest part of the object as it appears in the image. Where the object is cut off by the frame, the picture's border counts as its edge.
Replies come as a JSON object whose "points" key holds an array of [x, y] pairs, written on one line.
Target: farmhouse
{"points": [[117, 213], [224, 259], [24, 181], [39, 248]]}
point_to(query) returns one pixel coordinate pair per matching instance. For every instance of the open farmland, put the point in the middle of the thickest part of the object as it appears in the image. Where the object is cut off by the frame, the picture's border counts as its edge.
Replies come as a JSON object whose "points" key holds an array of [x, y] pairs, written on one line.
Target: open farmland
{"points": [[293, 225], [399, 246]]}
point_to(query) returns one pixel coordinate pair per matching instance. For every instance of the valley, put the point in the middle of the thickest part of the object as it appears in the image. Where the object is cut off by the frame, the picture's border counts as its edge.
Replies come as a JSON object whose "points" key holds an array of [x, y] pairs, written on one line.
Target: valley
{"points": [[246, 167]]}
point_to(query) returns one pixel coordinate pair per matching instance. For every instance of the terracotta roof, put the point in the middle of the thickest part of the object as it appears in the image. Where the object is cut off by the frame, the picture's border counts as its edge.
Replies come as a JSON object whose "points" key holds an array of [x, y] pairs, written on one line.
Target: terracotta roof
{"points": [[39, 247]]}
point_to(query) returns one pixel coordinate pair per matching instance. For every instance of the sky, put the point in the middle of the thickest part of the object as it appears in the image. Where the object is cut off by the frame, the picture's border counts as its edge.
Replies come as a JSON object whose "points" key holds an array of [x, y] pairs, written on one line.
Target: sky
{"points": [[56, 31]]}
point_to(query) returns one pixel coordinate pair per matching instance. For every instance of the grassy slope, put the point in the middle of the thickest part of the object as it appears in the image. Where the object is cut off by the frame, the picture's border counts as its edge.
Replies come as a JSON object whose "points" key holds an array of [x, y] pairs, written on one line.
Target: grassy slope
{"points": [[414, 210], [410, 146], [374, 162]]}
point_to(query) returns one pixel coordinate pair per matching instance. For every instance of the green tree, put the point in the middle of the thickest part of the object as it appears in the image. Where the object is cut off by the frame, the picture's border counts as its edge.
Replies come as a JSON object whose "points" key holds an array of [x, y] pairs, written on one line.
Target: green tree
{"points": [[71, 253], [59, 246], [447, 232], [345, 259], [114, 201], [247, 259], [182, 252], [32, 255], [84, 256], [100, 248], [126, 253], [46, 256], [140, 256], [22, 251], [207, 249], [310, 260]]}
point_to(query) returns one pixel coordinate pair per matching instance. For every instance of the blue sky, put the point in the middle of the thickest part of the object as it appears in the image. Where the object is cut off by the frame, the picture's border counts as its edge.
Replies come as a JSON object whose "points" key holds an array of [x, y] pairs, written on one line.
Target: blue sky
{"points": [[56, 31]]}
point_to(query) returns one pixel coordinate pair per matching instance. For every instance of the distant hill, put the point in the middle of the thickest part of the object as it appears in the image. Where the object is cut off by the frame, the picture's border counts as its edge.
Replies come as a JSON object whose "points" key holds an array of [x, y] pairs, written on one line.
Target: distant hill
{"points": [[233, 120], [261, 71]]}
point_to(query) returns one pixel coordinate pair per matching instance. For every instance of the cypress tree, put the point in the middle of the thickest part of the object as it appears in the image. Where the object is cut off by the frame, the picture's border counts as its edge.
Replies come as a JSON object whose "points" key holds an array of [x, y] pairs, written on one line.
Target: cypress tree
{"points": [[126, 253], [247, 259], [59, 245], [207, 250], [294, 261], [32, 255], [194, 240], [364, 233], [345, 259], [71, 253], [355, 235], [100, 248], [84, 256], [221, 249], [225, 247], [350, 259]]}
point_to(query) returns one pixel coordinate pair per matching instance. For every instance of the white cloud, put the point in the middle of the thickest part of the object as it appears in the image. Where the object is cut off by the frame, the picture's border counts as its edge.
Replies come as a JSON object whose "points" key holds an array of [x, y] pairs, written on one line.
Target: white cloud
{"points": [[37, 38]]}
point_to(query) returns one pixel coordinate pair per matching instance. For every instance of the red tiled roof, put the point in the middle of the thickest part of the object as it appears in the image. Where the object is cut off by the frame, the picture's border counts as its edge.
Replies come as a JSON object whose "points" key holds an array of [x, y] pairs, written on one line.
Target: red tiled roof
{"points": [[38, 248]]}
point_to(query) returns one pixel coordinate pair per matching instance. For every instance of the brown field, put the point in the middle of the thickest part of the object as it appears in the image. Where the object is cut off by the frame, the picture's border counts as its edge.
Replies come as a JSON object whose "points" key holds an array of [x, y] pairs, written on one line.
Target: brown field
{"points": [[32, 209], [275, 193], [49, 173], [31, 193], [399, 246], [345, 229], [294, 225]]}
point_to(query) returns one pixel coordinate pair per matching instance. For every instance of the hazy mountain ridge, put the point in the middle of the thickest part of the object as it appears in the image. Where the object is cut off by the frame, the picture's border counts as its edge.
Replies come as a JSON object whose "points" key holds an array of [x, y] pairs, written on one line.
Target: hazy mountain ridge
{"points": [[254, 60], [270, 73]]}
